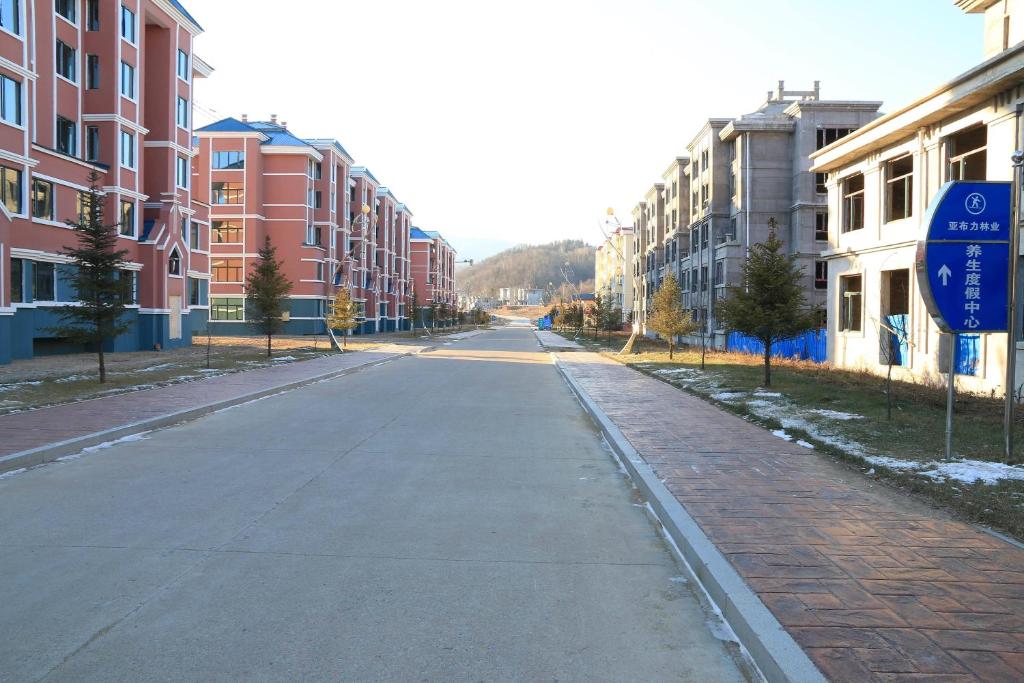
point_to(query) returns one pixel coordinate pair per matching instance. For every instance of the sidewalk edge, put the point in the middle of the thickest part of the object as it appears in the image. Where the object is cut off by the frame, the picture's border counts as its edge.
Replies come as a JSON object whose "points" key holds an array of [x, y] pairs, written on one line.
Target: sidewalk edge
{"points": [[774, 651], [50, 452]]}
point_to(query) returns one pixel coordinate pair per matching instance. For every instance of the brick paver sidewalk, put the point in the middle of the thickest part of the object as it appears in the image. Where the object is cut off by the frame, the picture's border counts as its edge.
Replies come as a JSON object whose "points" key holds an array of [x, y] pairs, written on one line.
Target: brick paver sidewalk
{"points": [[873, 586], [35, 428]]}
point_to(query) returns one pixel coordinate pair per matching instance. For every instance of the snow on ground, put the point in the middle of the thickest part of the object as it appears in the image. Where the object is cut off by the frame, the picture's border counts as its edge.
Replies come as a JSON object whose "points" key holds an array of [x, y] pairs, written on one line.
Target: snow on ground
{"points": [[13, 473], [728, 396], [837, 415], [74, 378], [15, 385], [805, 444], [141, 436], [781, 433], [284, 358]]}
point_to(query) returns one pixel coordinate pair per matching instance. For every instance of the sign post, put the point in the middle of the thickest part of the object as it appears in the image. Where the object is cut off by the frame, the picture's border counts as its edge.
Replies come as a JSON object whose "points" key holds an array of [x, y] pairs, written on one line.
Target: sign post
{"points": [[963, 265]]}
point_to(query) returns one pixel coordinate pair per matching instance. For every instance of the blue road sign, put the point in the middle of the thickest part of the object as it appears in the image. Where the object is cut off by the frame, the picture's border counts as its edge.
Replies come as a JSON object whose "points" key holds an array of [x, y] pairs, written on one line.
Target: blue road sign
{"points": [[963, 265]]}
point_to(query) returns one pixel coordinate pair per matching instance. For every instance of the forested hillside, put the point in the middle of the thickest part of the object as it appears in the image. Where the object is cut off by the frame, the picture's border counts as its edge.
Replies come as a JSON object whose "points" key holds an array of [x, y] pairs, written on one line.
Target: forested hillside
{"points": [[531, 266]]}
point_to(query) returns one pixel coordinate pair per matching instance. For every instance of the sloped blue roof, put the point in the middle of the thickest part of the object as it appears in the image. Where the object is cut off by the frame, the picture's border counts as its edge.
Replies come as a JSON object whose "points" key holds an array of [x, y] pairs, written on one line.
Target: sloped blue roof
{"points": [[362, 170], [327, 142], [417, 234], [228, 125]]}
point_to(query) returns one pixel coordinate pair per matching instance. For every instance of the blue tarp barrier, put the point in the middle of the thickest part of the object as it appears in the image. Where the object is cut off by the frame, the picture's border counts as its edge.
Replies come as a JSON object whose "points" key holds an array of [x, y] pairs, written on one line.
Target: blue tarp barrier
{"points": [[968, 354], [808, 346]]}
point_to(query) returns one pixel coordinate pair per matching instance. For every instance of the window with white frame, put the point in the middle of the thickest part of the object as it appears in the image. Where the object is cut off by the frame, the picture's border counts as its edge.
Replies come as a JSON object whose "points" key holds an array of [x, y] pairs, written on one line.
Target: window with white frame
{"points": [[968, 157], [127, 24], [174, 263], [92, 143], [851, 301], [899, 188], [853, 202], [67, 136], [10, 16], [42, 199], [10, 188], [182, 114], [821, 274], [127, 149], [821, 226], [66, 9], [10, 99], [92, 72], [127, 226], [128, 80], [228, 160], [182, 172], [65, 60], [183, 70]]}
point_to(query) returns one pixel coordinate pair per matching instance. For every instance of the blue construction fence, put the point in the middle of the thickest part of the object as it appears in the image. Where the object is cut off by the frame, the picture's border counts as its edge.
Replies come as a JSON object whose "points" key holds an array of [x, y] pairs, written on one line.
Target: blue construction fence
{"points": [[808, 346]]}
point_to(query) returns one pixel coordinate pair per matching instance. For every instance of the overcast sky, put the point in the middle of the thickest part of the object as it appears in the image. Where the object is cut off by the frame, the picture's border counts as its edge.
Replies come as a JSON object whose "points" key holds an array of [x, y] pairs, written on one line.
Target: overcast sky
{"points": [[522, 121]]}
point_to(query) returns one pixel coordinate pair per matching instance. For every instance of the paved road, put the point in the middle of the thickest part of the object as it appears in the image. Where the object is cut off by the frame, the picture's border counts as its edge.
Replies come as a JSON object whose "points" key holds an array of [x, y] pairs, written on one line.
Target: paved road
{"points": [[450, 516]]}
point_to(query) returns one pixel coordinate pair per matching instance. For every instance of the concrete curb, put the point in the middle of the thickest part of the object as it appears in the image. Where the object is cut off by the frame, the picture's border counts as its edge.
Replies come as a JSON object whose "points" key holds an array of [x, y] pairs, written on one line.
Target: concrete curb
{"points": [[52, 451], [774, 651]]}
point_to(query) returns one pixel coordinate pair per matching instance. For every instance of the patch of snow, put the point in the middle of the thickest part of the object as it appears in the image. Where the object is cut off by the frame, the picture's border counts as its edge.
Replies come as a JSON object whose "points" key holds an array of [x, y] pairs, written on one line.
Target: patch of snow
{"points": [[12, 473], [206, 370], [837, 414], [14, 385], [871, 471], [893, 463], [767, 394], [159, 366], [74, 378], [759, 403], [728, 396], [782, 435], [801, 442], [971, 471], [141, 436], [284, 358], [679, 579], [720, 630]]}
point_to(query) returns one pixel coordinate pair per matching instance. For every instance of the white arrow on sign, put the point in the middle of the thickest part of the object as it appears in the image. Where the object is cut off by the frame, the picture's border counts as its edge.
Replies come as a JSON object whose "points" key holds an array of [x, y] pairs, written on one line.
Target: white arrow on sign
{"points": [[944, 273]]}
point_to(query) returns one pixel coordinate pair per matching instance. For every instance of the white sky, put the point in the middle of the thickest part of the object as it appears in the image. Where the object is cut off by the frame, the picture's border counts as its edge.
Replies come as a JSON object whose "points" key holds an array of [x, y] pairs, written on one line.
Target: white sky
{"points": [[522, 121]]}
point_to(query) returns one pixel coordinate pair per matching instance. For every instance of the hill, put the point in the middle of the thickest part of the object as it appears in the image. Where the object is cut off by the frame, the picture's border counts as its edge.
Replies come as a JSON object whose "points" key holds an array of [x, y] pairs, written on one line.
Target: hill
{"points": [[527, 265]]}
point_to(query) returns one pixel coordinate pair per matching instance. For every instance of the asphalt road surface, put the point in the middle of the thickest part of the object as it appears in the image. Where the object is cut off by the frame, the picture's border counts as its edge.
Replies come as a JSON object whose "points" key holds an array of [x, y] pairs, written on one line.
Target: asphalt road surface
{"points": [[451, 516]]}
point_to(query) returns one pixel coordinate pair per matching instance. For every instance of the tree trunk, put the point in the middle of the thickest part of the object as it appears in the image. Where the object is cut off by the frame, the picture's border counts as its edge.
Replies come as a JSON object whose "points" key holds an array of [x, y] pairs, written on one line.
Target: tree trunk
{"points": [[344, 340], [888, 393], [268, 346], [768, 363], [670, 349], [103, 364]]}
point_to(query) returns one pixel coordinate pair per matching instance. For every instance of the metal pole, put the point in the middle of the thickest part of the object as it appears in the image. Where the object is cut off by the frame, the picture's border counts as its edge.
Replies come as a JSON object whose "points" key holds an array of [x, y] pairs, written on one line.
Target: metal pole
{"points": [[951, 393], [1011, 334]]}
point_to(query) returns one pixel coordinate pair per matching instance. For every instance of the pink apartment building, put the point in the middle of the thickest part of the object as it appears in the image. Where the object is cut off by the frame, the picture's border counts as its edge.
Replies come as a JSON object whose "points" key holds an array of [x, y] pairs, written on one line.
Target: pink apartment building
{"points": [[104, 86], [332, 224], [433, 270]]}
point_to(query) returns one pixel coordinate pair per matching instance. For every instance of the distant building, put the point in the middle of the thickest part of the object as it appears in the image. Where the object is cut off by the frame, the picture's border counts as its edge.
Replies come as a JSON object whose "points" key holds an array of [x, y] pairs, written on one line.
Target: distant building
{"points": [[613, 277], [432, 270]]}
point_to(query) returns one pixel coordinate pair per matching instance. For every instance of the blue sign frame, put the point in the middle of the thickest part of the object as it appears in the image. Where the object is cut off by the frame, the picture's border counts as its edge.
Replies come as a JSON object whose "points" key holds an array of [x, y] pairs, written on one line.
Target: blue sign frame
{"points": [[963, 264]]}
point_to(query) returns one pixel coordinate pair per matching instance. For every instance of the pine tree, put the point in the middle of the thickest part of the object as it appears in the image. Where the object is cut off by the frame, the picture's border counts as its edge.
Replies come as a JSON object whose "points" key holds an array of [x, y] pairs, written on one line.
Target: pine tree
{"points": [[96, 275], [770, 306], [414, 303], [266, 292], [668, 318], [343, 314]]}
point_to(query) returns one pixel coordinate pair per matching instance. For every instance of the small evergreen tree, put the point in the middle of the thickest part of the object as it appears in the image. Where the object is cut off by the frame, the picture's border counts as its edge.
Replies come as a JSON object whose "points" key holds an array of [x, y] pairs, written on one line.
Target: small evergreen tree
{"points": [[266, 292], [598, 312], [343, 314], [414, 304], [101, 285], [770, 306], [668, 318]]}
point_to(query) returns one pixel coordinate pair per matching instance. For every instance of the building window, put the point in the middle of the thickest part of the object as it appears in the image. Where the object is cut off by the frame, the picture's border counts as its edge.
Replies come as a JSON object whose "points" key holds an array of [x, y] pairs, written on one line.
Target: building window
{"points": [[10, 188], [65, 8], [853, 202], [226, 270], [83, 201], [228, 160], [127, 24], [92, 15], [10, 100], [174, 263], [226, 232], [92, 72], [309, 198], [127, 149], [227, 309], [967, 154], [182, 172], [92, 143], [821, 183], [128, 218], [826, 136], [227, 193], [183, 65], [10, 16], [318, 170], [310, 234], [193, 236], [851, 297], [129, 281], [319, 270], [67, 134], [66, 60], [128, 80], [182, 113], [317, 200], [17, 281], [719, 272], [821, 274], [193, 291], [821, 226], [42, 199], [43, 281], [899, 188]]}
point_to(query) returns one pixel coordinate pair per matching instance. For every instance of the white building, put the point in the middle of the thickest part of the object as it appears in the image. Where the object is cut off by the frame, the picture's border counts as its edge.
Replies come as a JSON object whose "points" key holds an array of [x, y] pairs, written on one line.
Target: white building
{"points": [[881, 179]]}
